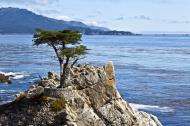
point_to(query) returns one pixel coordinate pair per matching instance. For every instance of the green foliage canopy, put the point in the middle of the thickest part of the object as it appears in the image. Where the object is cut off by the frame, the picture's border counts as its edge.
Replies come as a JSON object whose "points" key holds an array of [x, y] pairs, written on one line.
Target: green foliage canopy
{"points": [[59, 40], [66, 45], [57, 37]]}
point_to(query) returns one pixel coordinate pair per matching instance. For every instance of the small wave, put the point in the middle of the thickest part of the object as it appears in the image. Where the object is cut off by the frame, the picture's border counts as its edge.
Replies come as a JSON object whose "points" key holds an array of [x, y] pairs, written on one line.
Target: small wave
{"points": [[4, 102], [14, 75], [8, 91], [152, 108], [2, 91], [18, 77]]}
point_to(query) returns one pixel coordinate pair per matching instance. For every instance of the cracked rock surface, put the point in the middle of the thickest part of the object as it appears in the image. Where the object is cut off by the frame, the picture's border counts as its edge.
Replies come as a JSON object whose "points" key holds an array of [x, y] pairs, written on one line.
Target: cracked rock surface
{"points": [[91, 99]]}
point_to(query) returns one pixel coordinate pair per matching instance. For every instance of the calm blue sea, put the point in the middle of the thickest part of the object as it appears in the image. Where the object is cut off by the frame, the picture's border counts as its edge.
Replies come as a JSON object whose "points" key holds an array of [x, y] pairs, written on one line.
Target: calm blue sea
{"points": [[153, 73]]}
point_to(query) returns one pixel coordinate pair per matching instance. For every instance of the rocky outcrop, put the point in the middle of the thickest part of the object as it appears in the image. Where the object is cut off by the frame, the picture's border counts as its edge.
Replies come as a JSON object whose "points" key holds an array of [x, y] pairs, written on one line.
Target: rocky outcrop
{"points": [[90, 98], [4, 78]]}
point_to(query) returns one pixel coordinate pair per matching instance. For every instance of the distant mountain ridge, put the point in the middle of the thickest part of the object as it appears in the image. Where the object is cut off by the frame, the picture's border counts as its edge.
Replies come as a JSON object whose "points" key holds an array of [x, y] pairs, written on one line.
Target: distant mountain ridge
{"points": [[22, 21]]}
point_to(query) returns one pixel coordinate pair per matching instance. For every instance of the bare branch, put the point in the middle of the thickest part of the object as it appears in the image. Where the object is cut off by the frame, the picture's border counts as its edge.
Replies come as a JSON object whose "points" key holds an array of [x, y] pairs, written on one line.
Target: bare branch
{"points": [[40, 77], [74, 62], [57, 54]]}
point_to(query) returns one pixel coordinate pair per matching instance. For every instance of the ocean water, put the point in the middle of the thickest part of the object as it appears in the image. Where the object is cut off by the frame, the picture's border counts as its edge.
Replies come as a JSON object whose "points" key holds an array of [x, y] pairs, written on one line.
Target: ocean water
{"points": [[153, 72]]}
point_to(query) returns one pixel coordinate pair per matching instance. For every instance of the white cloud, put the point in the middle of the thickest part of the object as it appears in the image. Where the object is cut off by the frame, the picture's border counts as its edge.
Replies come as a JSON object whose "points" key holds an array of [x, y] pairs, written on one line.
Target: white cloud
{"points": [[23, 2], [96, 23], [119, 18], [64, 17], [141, 17], [85, 21], [179, 21]]}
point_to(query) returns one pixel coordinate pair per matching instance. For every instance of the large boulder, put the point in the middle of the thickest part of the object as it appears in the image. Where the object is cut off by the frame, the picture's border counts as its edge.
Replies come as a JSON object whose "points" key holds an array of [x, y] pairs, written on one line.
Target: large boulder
{"points": [[35, 92], [110, 73], [93, 99], [52, 81], [31, 93]]}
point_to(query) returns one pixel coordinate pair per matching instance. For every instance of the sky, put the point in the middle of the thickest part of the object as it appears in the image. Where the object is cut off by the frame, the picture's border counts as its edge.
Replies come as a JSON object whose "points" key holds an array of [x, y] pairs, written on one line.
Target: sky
{"points": [[141, 16]]}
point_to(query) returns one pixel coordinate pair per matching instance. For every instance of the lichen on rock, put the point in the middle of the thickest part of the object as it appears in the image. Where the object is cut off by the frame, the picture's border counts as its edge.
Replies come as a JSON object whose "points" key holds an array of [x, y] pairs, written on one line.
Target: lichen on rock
{"points": [[90, 99]]}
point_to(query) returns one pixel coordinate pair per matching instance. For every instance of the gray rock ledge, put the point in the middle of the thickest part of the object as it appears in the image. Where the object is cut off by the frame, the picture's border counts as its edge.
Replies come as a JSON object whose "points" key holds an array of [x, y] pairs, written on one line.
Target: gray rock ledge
{"points": [[91, 99]]}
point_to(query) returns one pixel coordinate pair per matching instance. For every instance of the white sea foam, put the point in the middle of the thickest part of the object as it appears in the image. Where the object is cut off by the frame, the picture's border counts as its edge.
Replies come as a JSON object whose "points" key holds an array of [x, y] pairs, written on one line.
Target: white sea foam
{"points": [[152, 108], [18, 77], [7, 91], [2, 91], [4, 102], [14, 75]]}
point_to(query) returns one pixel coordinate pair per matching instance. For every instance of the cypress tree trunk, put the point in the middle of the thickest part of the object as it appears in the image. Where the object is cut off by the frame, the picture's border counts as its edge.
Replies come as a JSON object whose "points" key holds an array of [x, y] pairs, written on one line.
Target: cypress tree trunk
{"points": [[61, 65], [63, 78], [61, 75], [62, 85]]}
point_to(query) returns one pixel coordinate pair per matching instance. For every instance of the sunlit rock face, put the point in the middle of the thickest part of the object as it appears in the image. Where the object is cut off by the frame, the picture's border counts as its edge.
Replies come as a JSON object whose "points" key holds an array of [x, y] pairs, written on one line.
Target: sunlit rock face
{"points": [[90, 99]]}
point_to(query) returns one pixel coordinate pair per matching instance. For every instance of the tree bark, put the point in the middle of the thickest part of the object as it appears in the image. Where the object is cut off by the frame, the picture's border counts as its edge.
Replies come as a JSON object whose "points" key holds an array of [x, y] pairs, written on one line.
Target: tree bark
{"points": [[56, 52], [62, 85], [61, 74], [60, 65]]}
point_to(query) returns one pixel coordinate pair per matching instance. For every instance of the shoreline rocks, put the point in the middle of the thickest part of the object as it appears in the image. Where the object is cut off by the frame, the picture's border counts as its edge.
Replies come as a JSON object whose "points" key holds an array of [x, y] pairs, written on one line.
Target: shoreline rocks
{"points": [[4, 79], [90, 98]]}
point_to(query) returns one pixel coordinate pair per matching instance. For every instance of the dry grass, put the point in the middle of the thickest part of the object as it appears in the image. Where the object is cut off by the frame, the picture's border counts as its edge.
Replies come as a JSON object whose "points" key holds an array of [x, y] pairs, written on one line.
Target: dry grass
{"points": [[58, 105]]}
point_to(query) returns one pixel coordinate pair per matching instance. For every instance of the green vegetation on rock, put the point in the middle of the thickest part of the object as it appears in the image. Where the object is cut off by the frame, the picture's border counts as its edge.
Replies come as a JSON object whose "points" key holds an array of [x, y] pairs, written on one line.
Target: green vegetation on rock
{"points": [[58, 105]]}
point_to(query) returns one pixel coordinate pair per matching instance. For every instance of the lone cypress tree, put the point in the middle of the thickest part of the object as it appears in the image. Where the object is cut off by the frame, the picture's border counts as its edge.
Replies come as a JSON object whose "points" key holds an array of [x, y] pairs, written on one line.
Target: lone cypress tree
{"points": [[66, 45]]}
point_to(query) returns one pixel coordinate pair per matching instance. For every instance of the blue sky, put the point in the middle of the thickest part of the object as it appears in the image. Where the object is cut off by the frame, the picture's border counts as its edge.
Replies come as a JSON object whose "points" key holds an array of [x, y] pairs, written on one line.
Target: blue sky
{"points": [[133, 15]]}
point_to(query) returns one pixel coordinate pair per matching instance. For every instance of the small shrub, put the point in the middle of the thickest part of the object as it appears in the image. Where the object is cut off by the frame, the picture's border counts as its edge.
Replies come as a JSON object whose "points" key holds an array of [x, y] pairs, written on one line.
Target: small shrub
{"points": [[58, 105]]}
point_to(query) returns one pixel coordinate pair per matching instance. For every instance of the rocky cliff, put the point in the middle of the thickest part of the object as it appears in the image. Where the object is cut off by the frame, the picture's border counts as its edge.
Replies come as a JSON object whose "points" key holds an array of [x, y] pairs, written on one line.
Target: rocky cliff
{"points": [[90, 98]]}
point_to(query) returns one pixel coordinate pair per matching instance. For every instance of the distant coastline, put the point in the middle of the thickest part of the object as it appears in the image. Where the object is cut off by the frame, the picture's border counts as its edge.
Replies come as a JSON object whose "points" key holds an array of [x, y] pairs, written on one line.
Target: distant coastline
{"points": [[132, 34], [115, 33], [24, 21]]}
